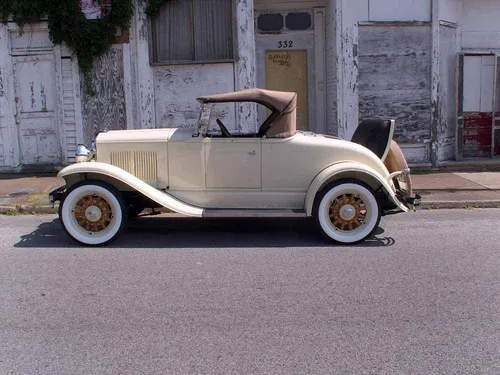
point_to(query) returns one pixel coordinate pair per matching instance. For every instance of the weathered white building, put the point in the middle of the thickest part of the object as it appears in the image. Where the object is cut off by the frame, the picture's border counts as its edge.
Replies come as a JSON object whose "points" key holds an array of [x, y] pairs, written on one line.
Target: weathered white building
{"points": [[430, 64]]}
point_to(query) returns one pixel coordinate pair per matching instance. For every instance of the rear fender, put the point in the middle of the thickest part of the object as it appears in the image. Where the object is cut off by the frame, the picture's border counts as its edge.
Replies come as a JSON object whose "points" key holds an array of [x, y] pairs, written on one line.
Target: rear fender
{"points": [[124, 181], [350, 170]]}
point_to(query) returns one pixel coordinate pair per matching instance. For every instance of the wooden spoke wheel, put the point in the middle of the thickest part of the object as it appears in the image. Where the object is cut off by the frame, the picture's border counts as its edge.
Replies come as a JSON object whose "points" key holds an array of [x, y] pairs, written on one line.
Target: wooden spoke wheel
{"points": [[347, 211], [93, 213]]}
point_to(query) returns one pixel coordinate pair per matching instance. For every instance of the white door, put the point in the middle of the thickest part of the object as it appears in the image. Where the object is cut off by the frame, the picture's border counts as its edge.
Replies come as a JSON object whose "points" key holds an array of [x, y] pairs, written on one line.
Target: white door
{"points": [[233, 163], [34, 77]]}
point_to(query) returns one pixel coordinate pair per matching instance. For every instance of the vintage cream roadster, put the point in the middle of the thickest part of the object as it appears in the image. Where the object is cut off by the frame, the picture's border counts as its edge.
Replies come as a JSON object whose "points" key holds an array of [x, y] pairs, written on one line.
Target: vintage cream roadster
{"points": [[208, 172]]}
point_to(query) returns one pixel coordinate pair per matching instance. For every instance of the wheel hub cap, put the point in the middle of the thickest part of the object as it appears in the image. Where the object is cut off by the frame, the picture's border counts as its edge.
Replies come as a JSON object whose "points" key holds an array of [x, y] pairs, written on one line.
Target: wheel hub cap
{"points": [[93, 214], [347, 212]]}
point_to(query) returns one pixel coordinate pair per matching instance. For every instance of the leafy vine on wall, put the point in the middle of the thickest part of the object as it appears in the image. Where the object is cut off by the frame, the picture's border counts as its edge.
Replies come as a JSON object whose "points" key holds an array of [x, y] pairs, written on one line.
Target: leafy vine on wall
{"points": [[67, 23]]}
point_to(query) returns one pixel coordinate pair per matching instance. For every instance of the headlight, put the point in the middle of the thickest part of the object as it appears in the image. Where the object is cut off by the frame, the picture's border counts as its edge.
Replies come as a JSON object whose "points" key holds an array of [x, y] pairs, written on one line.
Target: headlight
{"points": [[84, 154], [81, 150]]}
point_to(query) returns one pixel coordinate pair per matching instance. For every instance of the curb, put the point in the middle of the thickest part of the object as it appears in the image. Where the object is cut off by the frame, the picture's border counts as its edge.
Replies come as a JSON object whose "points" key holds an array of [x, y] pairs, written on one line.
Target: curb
{"points": [[49, 210], [37, 210], [459, 204]]}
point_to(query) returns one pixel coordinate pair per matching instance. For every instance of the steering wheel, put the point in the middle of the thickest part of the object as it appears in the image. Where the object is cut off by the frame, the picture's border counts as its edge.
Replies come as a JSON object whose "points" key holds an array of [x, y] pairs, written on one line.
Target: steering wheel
{"points": [[223, 129]]}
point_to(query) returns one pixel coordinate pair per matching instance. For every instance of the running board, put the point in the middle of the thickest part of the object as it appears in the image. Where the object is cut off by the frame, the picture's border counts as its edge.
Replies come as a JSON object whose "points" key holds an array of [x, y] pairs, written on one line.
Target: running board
{"points": [[238, 213]]}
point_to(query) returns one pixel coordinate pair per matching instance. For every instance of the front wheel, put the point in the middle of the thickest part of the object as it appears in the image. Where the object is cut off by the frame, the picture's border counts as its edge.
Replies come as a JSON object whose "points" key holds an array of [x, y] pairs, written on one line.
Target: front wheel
{"points": [[93, 213], [347, 211]]}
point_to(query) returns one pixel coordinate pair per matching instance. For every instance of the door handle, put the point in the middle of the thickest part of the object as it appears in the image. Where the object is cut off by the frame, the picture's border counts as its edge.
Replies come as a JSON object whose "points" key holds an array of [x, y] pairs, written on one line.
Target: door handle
{"points": [[252, 152]]}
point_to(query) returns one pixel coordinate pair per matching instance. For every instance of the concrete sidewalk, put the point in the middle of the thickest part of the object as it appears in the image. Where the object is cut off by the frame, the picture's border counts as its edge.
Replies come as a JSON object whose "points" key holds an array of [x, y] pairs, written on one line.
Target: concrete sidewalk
{"points": [[29, 194]]}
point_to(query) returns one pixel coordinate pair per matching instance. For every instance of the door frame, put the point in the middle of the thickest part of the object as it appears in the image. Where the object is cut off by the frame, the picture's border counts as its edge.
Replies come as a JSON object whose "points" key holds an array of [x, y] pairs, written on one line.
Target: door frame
{"points": [[13, 155], [316, 61], [460, 101]]}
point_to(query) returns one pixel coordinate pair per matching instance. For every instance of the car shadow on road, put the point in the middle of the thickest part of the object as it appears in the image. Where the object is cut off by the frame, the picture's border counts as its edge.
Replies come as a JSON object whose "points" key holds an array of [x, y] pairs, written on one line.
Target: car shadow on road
{"points": [[175, 233]]}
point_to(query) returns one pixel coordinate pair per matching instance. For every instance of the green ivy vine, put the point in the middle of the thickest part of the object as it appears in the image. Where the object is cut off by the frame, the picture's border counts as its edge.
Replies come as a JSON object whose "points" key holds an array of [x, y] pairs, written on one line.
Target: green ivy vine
{"points": [[67, 23]]}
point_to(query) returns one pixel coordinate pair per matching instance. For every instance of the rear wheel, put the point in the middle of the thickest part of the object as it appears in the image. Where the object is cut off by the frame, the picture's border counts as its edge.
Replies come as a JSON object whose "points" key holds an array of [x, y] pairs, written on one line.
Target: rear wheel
{"points": [[93, 213], [347, 211]]}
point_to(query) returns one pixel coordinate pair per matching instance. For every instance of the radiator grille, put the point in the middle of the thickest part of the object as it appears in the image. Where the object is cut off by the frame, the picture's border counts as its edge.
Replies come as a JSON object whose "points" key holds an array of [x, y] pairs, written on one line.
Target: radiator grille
{"points": [[142, 164]]}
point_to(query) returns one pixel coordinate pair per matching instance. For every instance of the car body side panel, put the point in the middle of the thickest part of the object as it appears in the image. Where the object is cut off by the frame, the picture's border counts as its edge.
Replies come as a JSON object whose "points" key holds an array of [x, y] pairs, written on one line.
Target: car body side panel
{"points": [[118, 174], [241, 199], [349, 170], [233, 163], [186, 165], [290, 164]]}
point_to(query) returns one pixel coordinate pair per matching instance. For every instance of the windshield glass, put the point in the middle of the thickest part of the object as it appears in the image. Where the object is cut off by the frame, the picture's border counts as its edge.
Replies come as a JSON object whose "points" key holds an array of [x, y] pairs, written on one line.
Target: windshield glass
{"points": [[204, 120]]}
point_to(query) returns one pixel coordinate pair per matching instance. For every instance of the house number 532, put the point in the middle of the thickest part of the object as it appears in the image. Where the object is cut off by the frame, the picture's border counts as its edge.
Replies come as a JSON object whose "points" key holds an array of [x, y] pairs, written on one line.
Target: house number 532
{"points": [[285, 44]]}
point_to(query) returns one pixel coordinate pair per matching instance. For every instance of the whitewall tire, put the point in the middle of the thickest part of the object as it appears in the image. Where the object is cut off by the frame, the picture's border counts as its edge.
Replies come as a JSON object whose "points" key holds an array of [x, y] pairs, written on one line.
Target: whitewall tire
{"points": [[347, 211], [93, 213]]}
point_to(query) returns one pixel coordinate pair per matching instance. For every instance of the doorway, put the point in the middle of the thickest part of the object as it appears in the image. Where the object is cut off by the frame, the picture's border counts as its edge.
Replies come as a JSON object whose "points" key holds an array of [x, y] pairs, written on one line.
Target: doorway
{"points": [[291, 57], [478, 128]]}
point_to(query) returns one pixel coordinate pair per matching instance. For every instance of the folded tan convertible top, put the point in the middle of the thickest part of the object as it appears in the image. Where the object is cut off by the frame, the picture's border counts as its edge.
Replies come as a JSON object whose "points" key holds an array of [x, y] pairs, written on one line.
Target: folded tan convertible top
{"points": [[278, 100]]}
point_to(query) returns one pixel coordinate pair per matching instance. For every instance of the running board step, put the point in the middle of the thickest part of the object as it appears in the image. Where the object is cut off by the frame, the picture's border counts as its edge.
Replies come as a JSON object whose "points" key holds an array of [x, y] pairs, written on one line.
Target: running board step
{"points": [[238, 213]]}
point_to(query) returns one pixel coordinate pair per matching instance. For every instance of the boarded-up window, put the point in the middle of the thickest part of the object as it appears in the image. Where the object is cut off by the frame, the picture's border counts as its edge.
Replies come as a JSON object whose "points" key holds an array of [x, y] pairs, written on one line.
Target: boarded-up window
{"points": [[194, 31]]}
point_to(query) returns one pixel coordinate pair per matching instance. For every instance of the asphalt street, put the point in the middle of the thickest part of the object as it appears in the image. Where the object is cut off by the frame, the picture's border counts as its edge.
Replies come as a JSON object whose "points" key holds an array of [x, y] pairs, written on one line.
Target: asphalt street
{"points": [[188, 296]]}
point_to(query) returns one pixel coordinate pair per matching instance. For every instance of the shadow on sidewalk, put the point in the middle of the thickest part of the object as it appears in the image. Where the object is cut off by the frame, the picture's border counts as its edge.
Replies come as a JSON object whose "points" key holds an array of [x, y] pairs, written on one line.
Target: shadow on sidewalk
{"points": [[178, 233]]}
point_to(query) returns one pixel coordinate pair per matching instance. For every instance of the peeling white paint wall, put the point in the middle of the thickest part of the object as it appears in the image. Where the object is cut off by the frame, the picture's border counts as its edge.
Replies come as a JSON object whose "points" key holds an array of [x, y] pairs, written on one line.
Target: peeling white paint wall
{"points": [[347, 68], [139, 49], [5, 99], [399, 10], [176, 87], [331, 69], [481, 26], [245, 68], [391, 10], [395, 78], [451, 10]]}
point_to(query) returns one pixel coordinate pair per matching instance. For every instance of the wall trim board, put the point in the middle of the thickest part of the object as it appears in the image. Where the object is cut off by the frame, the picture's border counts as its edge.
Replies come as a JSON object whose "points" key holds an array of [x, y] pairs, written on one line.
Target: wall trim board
{"points": [[448, 24], [395, 23]]}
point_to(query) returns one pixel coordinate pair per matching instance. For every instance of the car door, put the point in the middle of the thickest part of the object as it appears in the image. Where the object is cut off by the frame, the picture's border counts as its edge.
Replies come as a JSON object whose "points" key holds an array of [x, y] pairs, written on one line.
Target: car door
{"points": [[233, 163]]}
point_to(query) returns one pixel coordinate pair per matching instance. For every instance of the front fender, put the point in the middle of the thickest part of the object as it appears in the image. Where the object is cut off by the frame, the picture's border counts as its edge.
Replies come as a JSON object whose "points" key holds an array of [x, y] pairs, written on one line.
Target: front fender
{"points": [[132, 182], [354, 170]]}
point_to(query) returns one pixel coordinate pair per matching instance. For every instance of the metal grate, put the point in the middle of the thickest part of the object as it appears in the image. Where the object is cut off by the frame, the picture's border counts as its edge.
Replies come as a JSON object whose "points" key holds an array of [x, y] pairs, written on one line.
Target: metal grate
{"points": [[142, 164]]}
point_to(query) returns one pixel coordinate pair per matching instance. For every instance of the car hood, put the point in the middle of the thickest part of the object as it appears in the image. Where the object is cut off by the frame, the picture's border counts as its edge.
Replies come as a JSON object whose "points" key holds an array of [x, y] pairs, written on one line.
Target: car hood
{"points": [[144, 135]]}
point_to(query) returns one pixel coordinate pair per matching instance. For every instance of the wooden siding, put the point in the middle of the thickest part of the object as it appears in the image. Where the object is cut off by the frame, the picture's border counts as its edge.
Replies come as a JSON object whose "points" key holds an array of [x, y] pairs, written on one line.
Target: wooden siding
{"points": [[105, 110], [395, 78]]}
